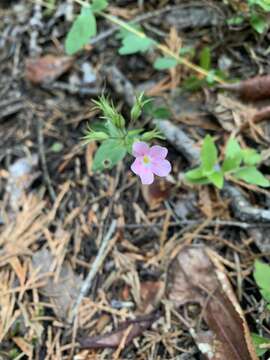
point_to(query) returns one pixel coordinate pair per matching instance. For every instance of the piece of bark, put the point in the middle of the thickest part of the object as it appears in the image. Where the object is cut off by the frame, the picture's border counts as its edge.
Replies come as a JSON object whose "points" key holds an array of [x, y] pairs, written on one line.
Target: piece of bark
{"points": [[197, 276], [256, 88]]}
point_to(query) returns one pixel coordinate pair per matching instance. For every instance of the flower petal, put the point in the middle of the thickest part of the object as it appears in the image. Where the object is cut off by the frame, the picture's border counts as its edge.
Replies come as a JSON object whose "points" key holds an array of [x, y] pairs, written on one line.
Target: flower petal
{"points": [[147, 177], [144, 172], [137, 166], [158, 152], [140, 148], [161, 167]]}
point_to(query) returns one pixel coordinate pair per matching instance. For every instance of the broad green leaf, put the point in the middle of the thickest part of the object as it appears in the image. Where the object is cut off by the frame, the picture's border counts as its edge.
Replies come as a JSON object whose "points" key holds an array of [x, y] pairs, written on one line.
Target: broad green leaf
{"points": [[233, 148], [161, 113], [252, 176], [258, 341], [205, 58], [262, 277], [194, 174], [217, 179], [83, 28], [108, 154], [99, 126], [230, 164], [163, 63], [99, 5], [251, 157], [133, 43], [208, 155], [264, 4], [259, 23], [113, 130]]}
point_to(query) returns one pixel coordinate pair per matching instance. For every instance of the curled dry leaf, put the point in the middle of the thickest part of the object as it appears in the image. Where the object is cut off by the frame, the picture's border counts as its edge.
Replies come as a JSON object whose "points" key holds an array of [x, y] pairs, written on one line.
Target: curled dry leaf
{"points": [[114, 338], [157, 192], [257, 88], [47, 68], [197, 276]]}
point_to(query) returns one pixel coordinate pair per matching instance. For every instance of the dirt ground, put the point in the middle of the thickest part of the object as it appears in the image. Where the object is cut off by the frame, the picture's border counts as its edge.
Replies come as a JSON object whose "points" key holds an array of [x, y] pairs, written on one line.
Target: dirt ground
{"points": [[95, 265]]}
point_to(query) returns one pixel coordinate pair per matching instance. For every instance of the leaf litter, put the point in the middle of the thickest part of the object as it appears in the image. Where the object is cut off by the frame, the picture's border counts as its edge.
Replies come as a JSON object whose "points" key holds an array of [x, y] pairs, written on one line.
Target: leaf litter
{"points": [[135, 307]]}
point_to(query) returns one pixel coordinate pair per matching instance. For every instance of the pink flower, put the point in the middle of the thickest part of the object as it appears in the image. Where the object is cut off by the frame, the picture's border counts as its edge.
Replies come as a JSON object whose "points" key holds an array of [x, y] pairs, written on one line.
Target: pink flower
{"points": [[150, 161]]}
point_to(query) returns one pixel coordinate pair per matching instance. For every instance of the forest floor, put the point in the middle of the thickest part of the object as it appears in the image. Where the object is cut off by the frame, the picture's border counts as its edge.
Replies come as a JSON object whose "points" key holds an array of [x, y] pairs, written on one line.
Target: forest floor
{"points": [[95, 265]]}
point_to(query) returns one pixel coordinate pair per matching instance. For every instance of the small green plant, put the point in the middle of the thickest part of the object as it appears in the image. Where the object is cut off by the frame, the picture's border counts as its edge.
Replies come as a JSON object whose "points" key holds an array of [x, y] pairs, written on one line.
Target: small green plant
{"points": [[262, 278], [257, 15], [115, 137], [238, 163]]}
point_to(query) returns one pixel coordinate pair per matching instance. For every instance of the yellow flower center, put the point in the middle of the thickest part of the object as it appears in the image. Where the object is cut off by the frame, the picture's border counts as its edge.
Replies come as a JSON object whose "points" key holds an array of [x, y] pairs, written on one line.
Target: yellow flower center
{"points": [[146, 159]]}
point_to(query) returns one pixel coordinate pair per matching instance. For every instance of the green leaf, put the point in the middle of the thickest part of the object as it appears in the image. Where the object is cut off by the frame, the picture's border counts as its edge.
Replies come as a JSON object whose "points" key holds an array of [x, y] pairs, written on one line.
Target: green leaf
{"points": [[163, 63], [205, 58], [217, 179], [194, 174], [95, 136], [99, 5], [258, 341], [233, 155], [192, 83], [252, 176], [262, 277], [83, 28], [263, 4], [258, 23], [251, 157], [187, 50], [208, 155], [233, 148], [230, 164], [236, 20], [133, 43], [108, 155], [56, 147]]}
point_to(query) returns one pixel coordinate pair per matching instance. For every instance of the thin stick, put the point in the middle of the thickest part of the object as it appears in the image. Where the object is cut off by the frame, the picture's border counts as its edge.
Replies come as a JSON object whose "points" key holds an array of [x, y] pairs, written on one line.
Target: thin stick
{"points": [[102, 253]]}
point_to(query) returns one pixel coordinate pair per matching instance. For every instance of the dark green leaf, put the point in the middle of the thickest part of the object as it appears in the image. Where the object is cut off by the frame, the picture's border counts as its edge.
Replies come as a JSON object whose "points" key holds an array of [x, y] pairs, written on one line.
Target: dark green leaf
{"points": [[108, 155], [83, 28], [252, 176], [205, 58], [259, 23], [99, 5], [163, 63], [208, 155], [258, 341]]}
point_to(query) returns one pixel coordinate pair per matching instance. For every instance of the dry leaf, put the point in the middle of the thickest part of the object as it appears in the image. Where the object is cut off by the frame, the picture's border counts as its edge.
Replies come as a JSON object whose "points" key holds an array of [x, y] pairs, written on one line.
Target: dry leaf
{"points": [[257, 88], [114, 338], [62, 291], [47, 68], [156, 193], [151, 294], [198, 276]]}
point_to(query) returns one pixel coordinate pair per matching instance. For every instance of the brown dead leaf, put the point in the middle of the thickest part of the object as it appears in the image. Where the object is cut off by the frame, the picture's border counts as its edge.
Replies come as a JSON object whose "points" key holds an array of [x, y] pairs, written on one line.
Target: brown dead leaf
{"points": [[198, 276], [47, 68], [62, 291], [113, 339], [24, 346], [256, 88], [156, 193], [151, 294]]}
